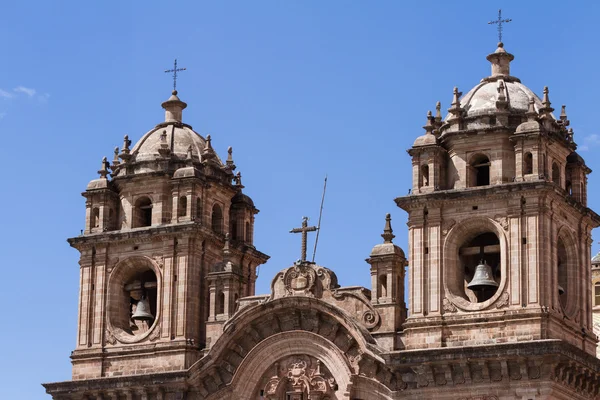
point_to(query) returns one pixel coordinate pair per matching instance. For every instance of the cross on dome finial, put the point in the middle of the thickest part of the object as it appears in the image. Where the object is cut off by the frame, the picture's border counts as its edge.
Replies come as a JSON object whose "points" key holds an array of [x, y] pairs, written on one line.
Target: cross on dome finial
{"points": [[175, 70], [500, 21]]}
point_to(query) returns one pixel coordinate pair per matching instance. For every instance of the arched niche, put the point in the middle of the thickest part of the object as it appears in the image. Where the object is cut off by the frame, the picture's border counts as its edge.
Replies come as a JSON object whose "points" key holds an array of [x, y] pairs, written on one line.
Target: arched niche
{"points": [[566, 267], [130, 280], [456, 277], [479, 170], [217, 219], [142, 212], [258, 366]]}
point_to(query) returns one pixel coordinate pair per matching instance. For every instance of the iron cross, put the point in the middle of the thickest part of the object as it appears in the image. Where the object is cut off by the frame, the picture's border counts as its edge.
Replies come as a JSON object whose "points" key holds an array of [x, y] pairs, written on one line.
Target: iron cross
{"points": [[174, 71], [500, 21], [304, 230]]}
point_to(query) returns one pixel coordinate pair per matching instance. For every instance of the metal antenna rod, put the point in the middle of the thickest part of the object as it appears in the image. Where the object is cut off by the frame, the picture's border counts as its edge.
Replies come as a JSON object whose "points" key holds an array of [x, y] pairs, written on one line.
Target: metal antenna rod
{"points": [[319, 223]]}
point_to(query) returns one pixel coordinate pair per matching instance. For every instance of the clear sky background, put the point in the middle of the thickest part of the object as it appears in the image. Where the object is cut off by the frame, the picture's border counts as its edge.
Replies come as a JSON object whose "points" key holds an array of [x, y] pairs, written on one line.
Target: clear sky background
{"points": [[300, 89]]}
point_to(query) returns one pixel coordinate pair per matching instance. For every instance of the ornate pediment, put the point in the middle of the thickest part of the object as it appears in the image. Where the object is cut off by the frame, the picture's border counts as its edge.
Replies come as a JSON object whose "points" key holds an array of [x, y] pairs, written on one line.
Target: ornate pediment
{"points": [[306, 279]]}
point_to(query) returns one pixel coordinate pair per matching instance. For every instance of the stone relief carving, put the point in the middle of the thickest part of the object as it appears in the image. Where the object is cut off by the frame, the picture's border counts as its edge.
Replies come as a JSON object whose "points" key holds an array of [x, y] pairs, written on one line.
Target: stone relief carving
{"points": [[447, 225], [502, 300], [448, 306], [503, 221], [310, 280], [299, 374]]}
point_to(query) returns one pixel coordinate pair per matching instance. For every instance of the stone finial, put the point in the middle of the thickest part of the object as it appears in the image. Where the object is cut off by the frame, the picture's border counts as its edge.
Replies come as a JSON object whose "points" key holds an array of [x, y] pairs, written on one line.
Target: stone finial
{"points": [[226, 250], [438, 112], [430, 124], [208, 152], [563, 116], [455, 108], [104, 168], [237, 179], [116, 161], [164, 149], [501, 103], [125, 152], [546, 109], [388, 233], [230, 164], [570, 135], [126, 144], [531, 113]]}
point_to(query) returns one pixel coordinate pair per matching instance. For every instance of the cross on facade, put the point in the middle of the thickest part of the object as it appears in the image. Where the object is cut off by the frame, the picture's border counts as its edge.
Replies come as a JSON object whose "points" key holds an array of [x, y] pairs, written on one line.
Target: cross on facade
{"points": [[500, 21], [174, 71], [304, 230]]}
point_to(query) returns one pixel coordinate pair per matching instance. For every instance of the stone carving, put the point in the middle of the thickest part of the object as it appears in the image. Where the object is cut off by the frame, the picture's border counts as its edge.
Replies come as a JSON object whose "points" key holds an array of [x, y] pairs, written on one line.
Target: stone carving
{"points": [[159, 260], [447, 225], [110, 337], [502, 300], [299, 279], [503, 221], [448, 306], [155, 333], [534, 372], [299, 374]]}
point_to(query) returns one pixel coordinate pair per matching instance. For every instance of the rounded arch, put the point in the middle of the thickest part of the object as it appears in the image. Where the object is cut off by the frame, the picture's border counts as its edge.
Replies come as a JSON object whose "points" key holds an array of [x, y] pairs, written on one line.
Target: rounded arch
{"points": [[118, 312], [479, 170], [142, 211], [528, 163], [566, 269], [258, 362], [286, 317], [453, 274]]}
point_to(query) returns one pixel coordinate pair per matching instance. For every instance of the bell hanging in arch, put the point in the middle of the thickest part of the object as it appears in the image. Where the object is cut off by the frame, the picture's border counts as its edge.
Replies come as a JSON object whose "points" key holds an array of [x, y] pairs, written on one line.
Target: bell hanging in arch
{"points": [[483, 278], [561, 290], [142, 311]]}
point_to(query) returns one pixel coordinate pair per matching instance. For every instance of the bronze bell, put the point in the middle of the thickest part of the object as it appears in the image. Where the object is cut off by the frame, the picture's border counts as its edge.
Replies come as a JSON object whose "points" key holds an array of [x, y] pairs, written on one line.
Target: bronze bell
{"points": [[142, 312], [482, 278], [561, 290]]}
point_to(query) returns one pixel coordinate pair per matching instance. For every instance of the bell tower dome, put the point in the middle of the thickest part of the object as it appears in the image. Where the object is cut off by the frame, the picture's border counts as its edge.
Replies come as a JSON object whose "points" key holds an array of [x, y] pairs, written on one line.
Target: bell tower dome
{"points": [[499, 228], [157, 220]]}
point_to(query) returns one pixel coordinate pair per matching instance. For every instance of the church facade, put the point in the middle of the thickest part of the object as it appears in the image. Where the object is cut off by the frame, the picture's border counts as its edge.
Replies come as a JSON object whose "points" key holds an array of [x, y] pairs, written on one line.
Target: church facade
{"points": [[500, 300]]}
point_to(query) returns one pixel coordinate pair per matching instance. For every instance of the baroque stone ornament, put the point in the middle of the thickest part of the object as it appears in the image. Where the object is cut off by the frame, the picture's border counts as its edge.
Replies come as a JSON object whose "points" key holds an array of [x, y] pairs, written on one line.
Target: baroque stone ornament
{"points": [[502, 300], [447, 225], [301, 374], [300, 279], [448, 306], [503, 221]]}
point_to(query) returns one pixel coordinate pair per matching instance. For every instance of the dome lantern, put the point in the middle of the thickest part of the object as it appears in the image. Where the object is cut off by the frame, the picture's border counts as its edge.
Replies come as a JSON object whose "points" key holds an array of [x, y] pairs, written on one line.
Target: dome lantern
{"points": [[500, 60], [173, 108]]}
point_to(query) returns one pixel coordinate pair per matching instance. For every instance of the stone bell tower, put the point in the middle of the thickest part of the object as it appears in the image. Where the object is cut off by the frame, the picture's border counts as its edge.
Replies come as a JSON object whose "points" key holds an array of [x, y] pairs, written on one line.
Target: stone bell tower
{"points": [[499, 228], [156, 225]]}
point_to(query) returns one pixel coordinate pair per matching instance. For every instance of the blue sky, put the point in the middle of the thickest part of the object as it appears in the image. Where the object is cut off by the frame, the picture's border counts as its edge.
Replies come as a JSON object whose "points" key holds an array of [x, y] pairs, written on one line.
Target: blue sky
{"points": [[299, 89]]}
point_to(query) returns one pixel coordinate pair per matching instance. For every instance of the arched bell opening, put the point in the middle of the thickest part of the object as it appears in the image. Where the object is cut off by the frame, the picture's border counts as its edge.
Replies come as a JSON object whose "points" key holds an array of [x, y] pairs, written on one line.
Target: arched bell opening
{"points": [[95, 217], [133, 298], [425, 175], [528, 164], [479, 171], [142, 212], [566, 267], [480, 261], [597, 294], [182, 208]]}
